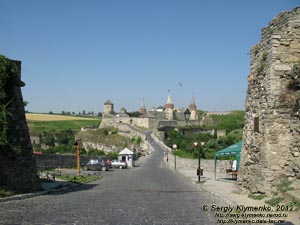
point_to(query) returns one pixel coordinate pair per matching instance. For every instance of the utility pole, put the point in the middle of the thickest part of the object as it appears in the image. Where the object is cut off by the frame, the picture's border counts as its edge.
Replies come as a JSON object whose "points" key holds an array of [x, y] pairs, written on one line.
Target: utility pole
{"points": [[77, 144]]}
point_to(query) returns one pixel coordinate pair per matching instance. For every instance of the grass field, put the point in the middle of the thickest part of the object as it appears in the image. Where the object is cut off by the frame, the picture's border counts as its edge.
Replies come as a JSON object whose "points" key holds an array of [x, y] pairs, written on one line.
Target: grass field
{"points": [[39, 123]]}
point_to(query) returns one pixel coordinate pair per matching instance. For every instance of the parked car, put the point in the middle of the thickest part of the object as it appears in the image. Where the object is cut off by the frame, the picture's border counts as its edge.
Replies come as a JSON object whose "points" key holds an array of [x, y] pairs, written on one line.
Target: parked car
{"points": [[118, 164], [96, 164]]}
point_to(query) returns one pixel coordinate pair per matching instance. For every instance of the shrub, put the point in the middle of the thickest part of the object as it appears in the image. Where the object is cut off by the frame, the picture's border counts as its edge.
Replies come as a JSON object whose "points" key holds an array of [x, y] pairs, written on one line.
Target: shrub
{"points": [[95, 152], [5, 193], [296, 203], [274, 201], [112, 155], [184, 154], [284, 185], [257, 196]]}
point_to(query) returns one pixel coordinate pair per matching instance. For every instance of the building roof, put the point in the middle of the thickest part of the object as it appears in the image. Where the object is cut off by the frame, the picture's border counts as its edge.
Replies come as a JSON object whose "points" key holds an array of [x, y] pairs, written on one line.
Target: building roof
{"points": [[108, 102], [160, 107], [143, 104], [126, 151], [193, 104], [232, 150], [169, 100], [147, 115], [120, 114]]}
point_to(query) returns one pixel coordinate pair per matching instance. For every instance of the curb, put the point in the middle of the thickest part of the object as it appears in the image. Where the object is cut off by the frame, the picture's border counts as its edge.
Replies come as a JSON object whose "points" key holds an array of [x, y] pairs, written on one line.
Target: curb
{"points": [[59, 188], [23, 196], [38, 193]]}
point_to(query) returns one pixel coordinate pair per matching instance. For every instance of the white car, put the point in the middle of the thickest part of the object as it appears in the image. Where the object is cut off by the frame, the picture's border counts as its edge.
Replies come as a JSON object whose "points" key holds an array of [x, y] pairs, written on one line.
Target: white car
{"points": [[118, 164]]}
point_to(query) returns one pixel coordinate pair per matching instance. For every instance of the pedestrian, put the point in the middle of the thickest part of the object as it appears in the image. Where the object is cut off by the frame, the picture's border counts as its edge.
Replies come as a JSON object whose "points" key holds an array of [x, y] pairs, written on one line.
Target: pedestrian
{"points": [[233, 166]]}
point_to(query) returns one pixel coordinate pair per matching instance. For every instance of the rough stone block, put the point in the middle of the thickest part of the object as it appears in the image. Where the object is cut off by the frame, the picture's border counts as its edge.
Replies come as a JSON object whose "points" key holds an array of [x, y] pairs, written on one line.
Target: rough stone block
{"points": [[278, 136]]}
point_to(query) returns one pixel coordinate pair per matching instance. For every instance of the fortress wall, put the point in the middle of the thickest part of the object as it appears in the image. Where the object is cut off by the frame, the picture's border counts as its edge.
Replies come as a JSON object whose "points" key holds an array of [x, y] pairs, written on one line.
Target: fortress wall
{"points": [[271, 135], [17, 163]]}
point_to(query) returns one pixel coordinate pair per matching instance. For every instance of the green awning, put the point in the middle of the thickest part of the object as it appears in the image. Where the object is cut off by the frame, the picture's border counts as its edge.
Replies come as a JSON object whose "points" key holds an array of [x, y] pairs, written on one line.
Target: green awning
{"points": [[232, 150]]}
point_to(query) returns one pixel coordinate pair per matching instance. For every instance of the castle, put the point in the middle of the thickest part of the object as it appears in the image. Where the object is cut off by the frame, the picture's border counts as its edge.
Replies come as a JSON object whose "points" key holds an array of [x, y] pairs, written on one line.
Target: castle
{"points": [[152, 119]]}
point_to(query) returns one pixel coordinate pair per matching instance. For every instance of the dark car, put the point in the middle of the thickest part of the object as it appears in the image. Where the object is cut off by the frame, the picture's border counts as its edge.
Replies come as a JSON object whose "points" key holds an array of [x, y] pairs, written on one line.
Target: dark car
{"points": [[96, 164]]}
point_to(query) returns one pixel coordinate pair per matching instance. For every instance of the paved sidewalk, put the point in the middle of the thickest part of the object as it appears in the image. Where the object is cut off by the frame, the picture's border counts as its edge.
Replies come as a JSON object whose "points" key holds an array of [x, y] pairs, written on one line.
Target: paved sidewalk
{"points": [[227, 190], [221, 187]]}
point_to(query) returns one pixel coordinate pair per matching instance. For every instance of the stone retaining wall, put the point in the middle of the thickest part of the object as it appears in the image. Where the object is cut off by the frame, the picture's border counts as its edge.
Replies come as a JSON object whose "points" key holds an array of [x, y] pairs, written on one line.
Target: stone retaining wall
{"points": [[208, 165], [60, 161]]}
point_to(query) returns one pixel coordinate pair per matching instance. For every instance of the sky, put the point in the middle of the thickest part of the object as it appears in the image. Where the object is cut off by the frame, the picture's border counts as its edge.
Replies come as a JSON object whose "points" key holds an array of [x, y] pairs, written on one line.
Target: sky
{"points": [[77, 54]]}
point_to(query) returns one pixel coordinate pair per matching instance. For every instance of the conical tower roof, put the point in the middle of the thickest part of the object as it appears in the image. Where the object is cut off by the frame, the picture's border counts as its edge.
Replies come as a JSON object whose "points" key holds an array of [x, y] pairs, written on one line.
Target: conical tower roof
{"points": [[143, 107], [169, 100], [169, 104], [193, 104]]}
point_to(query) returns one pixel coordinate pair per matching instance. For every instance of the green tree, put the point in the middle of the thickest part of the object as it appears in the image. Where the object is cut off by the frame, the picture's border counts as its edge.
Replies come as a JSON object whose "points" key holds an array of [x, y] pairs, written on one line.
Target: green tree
{"points": [[185, 147], [48, 139], [136, 140], [234, 120], [135, 114], [65, 137]]}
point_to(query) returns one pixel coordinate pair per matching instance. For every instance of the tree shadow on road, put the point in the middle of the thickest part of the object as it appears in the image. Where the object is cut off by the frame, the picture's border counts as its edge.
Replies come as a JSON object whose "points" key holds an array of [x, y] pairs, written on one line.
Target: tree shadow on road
{"points": [[73, 188]]}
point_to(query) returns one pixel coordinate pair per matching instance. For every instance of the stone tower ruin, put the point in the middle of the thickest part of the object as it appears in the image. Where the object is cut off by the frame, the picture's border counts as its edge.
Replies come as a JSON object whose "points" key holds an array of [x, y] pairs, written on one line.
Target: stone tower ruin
{"points": [[271, 138], [17, 163], [108, 108]]}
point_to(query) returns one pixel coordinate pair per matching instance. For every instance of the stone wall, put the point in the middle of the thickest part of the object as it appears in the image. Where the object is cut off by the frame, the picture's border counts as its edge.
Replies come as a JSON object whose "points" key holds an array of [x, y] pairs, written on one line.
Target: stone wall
{"points": [[60, 161], [271, 135], [17, 163], [145, 122], [208, 165]]}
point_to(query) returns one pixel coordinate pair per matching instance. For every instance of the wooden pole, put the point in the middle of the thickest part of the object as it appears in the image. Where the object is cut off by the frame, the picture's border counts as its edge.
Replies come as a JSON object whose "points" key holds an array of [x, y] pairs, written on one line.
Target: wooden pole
{"points": [[78, 156]]}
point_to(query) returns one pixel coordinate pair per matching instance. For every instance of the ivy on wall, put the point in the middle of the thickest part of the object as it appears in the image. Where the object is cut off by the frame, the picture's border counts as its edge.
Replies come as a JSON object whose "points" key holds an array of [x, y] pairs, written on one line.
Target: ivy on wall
{"points": [[8, 71]]}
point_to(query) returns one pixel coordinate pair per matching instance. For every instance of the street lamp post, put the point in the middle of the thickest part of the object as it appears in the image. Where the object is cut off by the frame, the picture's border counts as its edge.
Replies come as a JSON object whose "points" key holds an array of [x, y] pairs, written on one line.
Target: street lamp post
{"points": [[199, 159], [187, 114], [174, 146]]}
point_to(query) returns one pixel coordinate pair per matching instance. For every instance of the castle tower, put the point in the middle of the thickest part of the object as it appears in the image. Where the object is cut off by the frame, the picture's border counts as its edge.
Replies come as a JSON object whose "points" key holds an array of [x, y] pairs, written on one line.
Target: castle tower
{"points": [[193, 110], [18, 170], [169, 109], [143, 108], [108, 108]]}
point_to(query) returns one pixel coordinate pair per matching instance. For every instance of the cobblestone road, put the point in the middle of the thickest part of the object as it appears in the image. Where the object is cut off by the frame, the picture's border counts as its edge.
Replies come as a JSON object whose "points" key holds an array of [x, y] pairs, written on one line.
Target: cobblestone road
{"points": [[149, 194]]}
